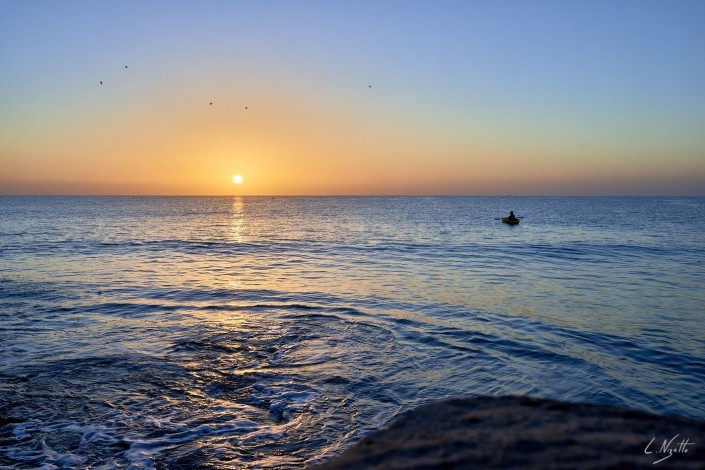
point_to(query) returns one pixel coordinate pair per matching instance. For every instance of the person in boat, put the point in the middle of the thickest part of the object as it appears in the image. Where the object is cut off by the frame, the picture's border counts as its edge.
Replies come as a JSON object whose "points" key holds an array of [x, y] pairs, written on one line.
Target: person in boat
{"points": [[511, 216]]}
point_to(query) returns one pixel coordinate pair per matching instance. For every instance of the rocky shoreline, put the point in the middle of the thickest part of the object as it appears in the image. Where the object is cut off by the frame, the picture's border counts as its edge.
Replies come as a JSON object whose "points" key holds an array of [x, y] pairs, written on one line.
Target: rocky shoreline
{"points": [[521, 432]]}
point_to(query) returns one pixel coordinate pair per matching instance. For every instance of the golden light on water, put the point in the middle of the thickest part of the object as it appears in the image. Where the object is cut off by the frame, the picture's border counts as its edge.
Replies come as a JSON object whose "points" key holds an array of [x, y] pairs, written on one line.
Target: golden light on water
{"points": [[237, 225]]}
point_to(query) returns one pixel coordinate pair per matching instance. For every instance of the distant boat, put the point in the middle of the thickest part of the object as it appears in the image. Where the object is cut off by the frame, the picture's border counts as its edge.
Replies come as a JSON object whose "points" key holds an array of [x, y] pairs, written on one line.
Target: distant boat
{"points": [[509, 221]]}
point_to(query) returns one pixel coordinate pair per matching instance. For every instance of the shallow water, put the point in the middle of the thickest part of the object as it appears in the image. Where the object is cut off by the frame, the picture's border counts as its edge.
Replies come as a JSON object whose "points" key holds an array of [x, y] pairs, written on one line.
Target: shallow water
{"points": [[235, 332]]}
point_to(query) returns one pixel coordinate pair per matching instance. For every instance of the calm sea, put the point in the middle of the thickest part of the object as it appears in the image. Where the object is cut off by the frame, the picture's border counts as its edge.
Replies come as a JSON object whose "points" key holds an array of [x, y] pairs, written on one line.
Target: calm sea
{"points": [[276, 331]]}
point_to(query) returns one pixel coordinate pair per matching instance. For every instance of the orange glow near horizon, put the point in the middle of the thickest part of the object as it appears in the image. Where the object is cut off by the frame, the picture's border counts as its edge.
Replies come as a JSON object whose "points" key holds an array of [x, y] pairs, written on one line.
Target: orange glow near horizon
{"points": [[307, 146]]}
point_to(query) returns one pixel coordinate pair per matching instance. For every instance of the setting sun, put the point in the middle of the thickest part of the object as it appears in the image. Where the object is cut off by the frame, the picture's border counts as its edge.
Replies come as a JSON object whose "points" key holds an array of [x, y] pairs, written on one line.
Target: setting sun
{"points": [[237, 179]]}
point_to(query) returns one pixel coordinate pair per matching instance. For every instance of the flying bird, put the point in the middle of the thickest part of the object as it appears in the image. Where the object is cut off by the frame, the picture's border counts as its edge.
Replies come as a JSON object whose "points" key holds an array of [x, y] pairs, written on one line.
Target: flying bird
{"points": [[101, 83], [126, 66]]}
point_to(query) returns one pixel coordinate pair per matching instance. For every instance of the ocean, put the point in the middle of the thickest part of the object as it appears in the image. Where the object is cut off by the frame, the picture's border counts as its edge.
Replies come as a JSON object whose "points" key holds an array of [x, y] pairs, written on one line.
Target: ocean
{"points": [[258, 332]]}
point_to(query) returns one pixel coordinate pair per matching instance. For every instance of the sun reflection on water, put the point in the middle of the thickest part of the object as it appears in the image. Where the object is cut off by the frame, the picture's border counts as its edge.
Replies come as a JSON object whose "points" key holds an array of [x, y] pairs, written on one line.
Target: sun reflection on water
{"points": [[237, 223]]}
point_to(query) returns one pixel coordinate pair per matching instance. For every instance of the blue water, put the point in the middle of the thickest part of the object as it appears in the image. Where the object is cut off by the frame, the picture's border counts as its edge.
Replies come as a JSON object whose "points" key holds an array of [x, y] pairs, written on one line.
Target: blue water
{"points": [[257, 332]]}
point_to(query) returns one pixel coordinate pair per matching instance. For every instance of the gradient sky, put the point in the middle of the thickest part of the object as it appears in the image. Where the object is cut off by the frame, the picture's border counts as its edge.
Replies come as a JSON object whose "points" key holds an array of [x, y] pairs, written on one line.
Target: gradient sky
{"points": [[467, 97]]}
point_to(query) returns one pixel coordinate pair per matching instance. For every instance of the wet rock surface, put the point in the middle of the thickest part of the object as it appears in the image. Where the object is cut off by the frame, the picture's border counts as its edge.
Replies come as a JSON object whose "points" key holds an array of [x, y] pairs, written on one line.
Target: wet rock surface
{"points": [[520, 432]]}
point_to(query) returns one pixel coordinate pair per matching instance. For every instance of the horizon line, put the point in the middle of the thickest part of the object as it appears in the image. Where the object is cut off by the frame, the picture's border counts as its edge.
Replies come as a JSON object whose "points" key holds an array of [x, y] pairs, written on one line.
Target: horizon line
{"points": [[354, 195]]}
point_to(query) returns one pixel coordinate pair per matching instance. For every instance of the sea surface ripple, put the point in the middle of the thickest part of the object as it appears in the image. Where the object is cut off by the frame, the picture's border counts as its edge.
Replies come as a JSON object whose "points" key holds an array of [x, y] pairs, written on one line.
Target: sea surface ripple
{"points": [[258, 332]]}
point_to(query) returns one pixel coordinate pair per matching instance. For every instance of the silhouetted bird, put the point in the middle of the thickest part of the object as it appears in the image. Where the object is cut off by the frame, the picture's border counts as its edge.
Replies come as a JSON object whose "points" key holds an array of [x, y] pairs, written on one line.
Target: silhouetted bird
{"points": [[126, 66], [370, 86], [101, 83], [211, 104]]}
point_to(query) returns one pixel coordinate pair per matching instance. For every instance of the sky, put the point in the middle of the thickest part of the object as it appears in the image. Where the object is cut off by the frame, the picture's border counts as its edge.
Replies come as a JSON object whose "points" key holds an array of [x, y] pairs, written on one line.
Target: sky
{"points": [[530, 97]]}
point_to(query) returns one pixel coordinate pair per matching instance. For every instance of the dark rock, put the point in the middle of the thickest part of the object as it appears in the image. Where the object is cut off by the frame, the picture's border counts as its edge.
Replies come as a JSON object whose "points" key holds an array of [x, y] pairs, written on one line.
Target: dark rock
{"points": [[520, 432]]}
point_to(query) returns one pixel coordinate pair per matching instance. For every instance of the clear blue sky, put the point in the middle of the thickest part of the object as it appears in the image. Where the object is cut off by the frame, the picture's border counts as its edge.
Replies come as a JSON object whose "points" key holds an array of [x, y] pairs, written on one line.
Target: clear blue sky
{"points": [[467, 97]]}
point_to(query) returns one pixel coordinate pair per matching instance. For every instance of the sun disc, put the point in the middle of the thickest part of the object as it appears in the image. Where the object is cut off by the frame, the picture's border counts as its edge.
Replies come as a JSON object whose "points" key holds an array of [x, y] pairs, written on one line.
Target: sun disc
{"points": [[237, 179]]}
